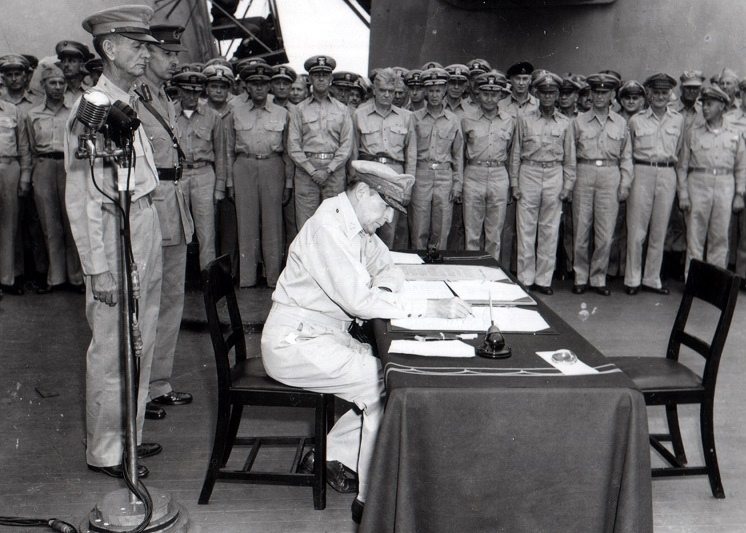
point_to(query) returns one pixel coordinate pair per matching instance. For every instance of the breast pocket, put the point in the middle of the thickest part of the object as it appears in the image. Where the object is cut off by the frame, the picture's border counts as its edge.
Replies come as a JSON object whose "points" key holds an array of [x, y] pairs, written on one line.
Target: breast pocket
{"points": [[274, 132], [645, 138], [555, 145], [44, 130], [8, 128], [615, 139], [310, 123], [444, 140], [369, 133]]}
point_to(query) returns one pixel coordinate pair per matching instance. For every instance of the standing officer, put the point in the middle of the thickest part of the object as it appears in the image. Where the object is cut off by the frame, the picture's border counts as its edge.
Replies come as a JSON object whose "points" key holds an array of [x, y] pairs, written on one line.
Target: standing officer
{"points": [[604, 176], [413, 79], [202, 136], [15, 72], [728, 82], [72, 56], [542, 173], [738, 223], [262, 177], [95, 68], [283, 77], [477, 67], [319, 141], [299, 89], [386, 133], [119, 37], [401, 89], [159, 120], [656, 135], [458, 83], [440, 163], [568, 100], [711, 176], [46, 127], [691, 85], [488, 135]]}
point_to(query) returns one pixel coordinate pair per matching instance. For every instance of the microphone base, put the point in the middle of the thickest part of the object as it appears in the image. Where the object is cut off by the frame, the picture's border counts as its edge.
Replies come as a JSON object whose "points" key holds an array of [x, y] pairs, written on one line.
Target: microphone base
{"points": [[115, 513], [491, 353]]}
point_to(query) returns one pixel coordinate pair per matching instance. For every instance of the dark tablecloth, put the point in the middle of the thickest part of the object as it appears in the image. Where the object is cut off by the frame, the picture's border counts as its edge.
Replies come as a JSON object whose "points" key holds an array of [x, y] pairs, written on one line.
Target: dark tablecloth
{"points": [[509, 445]]}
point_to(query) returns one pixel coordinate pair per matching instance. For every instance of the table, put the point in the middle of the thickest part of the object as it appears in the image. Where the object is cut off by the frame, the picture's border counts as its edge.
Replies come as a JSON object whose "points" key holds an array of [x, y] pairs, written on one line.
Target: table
{"points": [[509, 445]]}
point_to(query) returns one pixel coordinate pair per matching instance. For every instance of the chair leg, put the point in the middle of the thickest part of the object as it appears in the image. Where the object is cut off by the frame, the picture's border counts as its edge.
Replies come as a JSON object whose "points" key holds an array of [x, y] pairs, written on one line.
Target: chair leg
{"points": [[708, 445], [231, 432], [218, 452], [319, 458], [329, 412], [672, 415]]}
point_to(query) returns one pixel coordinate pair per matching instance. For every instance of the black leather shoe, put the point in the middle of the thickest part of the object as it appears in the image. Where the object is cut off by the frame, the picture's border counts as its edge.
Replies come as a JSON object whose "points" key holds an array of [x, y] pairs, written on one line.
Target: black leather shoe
{"points": [[78, 289], [579, 289], [603, 291], [148, 449], [45, 289], [662, 290], [631, 290], [15, 289], [743, 286], [173, 398], [357, 510], [543, 290], [118, 471], [336, 474], [153, 412]]}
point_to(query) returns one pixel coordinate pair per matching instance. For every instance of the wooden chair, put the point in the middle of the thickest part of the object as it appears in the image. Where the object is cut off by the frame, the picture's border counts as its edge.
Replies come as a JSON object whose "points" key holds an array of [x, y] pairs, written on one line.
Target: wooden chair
{"points": [[666, 381], [246, 383]]}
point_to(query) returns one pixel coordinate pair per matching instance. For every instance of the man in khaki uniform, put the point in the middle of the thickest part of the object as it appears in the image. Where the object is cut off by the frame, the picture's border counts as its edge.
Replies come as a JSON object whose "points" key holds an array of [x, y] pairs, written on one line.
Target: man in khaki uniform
{"points": [[72, 56], [738, 222]]}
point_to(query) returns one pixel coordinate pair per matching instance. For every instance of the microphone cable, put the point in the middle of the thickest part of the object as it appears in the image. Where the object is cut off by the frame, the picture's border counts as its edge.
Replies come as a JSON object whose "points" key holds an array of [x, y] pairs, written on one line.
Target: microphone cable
{"points": [[53, 523]]}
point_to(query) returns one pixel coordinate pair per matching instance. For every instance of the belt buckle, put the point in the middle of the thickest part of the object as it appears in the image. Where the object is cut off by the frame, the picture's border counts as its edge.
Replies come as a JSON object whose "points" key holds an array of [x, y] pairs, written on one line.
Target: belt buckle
{"points": [[433, 166], [599, 163], [261, 156], [714, 172]]}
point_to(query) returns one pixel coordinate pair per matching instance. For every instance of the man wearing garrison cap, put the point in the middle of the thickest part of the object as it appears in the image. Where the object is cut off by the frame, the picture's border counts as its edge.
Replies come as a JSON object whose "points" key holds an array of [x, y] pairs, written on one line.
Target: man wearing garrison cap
{"points": [[604, 176], [711, 174], [656, 136], [120, 35], [337, 271], [542, 173], [72, 57], [319, 141]]}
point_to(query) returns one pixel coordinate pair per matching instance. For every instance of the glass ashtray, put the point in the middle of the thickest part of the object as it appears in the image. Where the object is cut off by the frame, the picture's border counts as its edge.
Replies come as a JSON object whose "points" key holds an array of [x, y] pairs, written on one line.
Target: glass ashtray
{"points": [[564, 356]]}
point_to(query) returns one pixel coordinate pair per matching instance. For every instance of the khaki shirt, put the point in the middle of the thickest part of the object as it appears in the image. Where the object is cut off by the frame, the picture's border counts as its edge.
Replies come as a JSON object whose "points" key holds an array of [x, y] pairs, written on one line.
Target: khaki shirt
{"points": [[656, 140], [391, 135], [47, 128], [544, 139], [487, 139], [83, 200], [203, 138], [320, 126], [461, 109], [514, 108], [439, 140], [607, 138], [27, 101], [72, 95], [691, 114], [164, 150], [704, 147], [14, 138]]}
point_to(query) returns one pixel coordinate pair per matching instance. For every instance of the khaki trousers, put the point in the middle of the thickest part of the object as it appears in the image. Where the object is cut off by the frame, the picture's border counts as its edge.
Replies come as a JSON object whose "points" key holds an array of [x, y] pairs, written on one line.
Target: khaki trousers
{"points": [[199, 191], [430, 210], [485, 202], [309, 195], [10, 175]]}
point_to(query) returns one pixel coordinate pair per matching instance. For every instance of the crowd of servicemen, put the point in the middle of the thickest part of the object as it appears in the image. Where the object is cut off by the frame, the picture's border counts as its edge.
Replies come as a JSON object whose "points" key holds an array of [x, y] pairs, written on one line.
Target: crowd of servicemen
{"points": [[549, 175]]}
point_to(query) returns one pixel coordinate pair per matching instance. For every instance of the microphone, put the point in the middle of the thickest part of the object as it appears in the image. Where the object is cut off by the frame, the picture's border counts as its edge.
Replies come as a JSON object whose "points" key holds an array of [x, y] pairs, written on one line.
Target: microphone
{"points": [[92, 113]]}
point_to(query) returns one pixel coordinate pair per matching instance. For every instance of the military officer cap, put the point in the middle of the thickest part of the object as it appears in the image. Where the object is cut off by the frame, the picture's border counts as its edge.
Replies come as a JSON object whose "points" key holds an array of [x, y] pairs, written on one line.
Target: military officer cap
{"points": [[256, 72], [524, 67], [728, 74], [413, 78], [477, 67], [692, 78], [33, 61], [435, 76], [52, 71], [72, 48], [344, 79], [284, 72], [458, 72], [168, 36], [661, 80], [715, 79], [400, 71], [431, 64], [714, 93], [394, 188], [320, 63], [13, 62], [360, 85], [569, 85], [219, 61], [373, 73], [194, 81], [94, 65], [613, 73], [491, 81], [217, 72], [547, 81], [602, 82], [247, 62], [632, 88], [131, 21], [538, 73]]}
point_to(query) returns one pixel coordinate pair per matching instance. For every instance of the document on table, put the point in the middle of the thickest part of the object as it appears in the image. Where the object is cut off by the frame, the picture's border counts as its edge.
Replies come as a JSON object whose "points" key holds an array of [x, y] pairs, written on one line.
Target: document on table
{"points": [[577, 368], [482, 291], [403, 258], [453, 348], [431, 290], [507, 319], [452, 272]]}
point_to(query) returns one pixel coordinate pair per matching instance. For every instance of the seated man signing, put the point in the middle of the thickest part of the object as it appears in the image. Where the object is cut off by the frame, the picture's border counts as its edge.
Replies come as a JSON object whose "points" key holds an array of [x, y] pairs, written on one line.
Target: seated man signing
{"points": [[338, 271]]}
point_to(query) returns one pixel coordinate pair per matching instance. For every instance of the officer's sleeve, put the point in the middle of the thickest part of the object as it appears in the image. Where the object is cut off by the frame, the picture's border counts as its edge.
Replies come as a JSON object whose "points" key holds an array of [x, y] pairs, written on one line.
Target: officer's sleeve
{"points": [[740, 166], [625, 161], [24, 148], [410, 151], [457, 154], [514, 167], [682, 167], [346, 140], [295, 142], [230, 148], [220, 153], [355, 154], [569, 163], [286, 161], [380, 265]]}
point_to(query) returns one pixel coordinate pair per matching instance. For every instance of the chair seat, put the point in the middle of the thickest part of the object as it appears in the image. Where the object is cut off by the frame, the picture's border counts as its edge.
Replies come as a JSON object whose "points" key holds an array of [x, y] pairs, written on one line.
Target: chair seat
{"points": [[658, 373], [250, 375]]}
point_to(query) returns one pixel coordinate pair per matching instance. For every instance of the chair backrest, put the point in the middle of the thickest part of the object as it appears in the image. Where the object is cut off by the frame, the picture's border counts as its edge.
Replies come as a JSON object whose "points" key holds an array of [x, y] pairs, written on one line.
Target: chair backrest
{"points": [[218, 284], [719, 288]]}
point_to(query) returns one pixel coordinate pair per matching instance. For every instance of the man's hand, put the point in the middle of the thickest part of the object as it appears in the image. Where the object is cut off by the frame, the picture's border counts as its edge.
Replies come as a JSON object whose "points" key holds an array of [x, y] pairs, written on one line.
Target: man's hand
{"points": [[229, 191], [287, 194], [565, 194], [738, 203], [515, 192], [218, 195], [320, 175], [454, 197], [448, 308], [684, 204], [24, 188], [623, 194], [104, 288]]}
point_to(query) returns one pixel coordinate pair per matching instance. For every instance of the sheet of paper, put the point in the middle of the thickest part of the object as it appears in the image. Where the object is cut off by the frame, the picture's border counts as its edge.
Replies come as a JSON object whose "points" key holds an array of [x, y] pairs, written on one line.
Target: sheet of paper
{"points": [[402, 258], [508, 319], [578, 368], [449, 272], [432, 348], [480, 291], [425, 289]]}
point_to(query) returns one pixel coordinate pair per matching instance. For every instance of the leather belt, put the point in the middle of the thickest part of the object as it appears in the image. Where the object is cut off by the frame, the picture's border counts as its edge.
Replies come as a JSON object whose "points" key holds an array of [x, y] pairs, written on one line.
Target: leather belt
{"points": [[599, 162], [320, 155], [381, 159], [653, 164], [717, 171], [261, 156], [8, 159], [542, 164], [167, 174], [52, 155], [434, 166], [197, 164], [485, 163]]}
